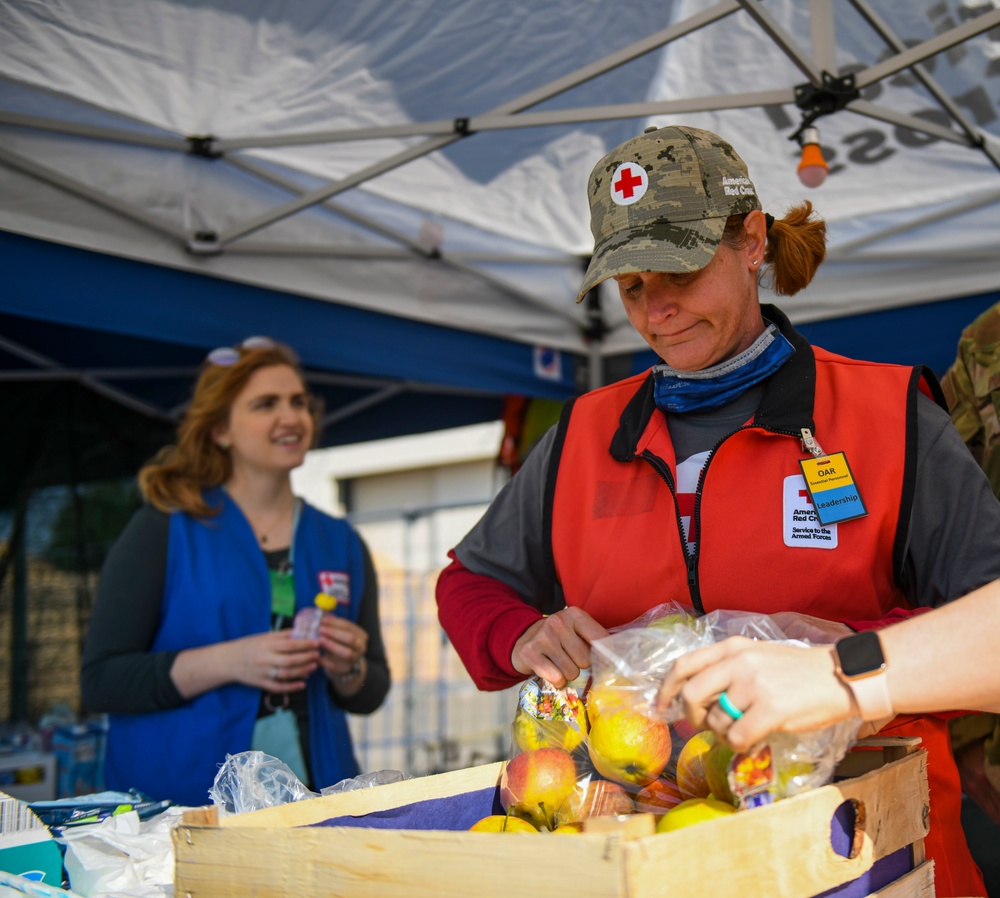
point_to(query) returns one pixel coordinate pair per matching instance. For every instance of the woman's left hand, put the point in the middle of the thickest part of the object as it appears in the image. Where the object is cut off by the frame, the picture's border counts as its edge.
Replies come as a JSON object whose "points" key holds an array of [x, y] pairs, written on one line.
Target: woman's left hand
{"points": [[778, 688], [344, 644]]}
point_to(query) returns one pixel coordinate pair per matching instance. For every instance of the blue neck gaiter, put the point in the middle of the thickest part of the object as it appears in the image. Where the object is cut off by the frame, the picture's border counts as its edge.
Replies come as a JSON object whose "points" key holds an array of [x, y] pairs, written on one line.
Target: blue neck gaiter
{"points": [[689, 391]]}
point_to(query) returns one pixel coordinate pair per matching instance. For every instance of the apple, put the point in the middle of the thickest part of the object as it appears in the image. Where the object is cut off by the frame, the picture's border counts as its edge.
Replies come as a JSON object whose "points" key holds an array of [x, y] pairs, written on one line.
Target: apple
{"points": [[717, 772], [532, 732], [691, 811], [658, 797], [534, 784], [624, 744], [691, 779], [568, 829], [669, 621], [599, 798], [502, 823]]}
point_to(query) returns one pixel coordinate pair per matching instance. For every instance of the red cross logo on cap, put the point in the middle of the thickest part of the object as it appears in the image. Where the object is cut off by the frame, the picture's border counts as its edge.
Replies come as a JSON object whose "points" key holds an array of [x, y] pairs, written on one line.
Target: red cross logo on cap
{"points": [[628, 183]]}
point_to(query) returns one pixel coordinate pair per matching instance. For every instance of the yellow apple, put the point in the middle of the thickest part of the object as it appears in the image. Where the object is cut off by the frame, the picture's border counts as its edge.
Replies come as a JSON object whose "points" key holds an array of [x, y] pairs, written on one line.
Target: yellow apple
{"points": [[691, 811], [625, 745], [717, 760], [668, 621], [691, 778], [502, 823], [534, 784]]}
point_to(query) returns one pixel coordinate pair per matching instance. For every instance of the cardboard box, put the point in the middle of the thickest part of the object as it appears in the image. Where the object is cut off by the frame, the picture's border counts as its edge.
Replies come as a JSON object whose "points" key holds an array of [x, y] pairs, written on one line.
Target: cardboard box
{"points": [[26, 845], [784, 849], [79, 760]]}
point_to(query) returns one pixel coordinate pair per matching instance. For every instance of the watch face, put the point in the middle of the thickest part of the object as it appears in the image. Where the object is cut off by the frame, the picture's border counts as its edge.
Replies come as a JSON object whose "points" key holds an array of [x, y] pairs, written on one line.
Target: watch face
{"points": [[860, 654]]}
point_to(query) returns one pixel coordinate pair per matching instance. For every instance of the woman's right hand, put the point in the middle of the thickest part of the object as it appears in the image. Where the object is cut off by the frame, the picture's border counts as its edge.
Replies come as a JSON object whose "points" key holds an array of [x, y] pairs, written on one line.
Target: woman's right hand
{"points": [[557, 647], [274, 661]]}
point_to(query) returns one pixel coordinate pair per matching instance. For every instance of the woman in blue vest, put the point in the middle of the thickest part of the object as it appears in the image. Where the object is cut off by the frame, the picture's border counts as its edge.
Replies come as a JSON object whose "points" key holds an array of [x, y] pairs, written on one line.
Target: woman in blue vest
{"points": [[189, 648]]}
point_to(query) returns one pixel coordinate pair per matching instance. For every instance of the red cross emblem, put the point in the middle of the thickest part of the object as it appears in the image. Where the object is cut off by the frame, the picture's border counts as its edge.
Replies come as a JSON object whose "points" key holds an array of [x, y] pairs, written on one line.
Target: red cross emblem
{"points": [[628, 183]]}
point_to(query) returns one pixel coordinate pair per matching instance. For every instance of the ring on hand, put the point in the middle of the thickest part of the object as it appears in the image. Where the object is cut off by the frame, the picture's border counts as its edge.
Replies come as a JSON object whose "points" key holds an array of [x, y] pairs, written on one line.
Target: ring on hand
{"points": [[274, 674], [726, 704]]}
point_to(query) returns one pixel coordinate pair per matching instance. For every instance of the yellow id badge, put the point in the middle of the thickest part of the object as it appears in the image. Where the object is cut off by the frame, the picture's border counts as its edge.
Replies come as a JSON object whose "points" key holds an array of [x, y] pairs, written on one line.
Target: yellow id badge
{"points": [[831, 486]]}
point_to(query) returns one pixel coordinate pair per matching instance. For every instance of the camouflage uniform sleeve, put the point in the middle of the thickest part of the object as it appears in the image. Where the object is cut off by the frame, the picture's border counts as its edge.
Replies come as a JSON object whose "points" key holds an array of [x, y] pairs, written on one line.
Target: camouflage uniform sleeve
{"points": [[972, 389], [961, 399]]}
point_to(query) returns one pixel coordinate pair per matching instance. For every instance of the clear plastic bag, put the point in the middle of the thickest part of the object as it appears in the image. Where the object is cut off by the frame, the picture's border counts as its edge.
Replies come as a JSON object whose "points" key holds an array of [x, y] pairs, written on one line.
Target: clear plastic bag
{"points": [[252, 780], [599, 746], [629, 665], [366, 781]]}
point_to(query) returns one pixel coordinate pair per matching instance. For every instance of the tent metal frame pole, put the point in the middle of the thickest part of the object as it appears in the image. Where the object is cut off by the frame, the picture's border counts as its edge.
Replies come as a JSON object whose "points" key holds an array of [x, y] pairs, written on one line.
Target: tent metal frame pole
{"points": [[353, 408], [879, 25], [451, 260], [98, 386], [98, 197], [784, 41], [822, 33], [944, 41], [842, 249], [532, 98], [95, 132], [890, 116]]}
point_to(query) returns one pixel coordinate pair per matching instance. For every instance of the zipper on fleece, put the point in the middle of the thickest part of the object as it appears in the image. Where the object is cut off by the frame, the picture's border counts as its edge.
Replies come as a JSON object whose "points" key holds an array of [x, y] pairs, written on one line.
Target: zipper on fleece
{"points": [[661, 468]]}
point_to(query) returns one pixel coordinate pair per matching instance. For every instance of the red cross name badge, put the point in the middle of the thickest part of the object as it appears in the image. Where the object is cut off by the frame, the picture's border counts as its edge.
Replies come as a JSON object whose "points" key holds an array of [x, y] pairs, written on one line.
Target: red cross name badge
{"points": [[628, 184], [336, 584]]}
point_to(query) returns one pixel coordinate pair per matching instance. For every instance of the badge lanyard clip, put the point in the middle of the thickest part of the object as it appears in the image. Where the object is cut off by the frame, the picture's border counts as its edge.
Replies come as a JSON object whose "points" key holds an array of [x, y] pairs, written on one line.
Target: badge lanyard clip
{"points": [[830, 481]]}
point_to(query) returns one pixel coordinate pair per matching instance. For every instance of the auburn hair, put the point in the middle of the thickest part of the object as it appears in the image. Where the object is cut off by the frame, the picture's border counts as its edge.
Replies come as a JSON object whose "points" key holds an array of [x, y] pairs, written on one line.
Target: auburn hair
{"points": [[175, 478], [796, 247]]}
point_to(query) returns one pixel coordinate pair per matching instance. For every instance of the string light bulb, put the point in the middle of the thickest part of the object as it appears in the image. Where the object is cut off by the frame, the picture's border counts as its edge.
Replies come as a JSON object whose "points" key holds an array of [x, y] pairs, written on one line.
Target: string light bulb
{"points": [[813, 168]]}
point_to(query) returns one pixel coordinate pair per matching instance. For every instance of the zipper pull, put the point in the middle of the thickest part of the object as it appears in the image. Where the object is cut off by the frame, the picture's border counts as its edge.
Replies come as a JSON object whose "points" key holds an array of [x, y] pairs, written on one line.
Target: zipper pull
{"points": [[809, 443]]}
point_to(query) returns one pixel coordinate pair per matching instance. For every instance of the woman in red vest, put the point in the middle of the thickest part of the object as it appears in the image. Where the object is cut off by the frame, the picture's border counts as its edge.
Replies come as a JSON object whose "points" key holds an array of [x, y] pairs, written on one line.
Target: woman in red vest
{"points": [[746, 470]]}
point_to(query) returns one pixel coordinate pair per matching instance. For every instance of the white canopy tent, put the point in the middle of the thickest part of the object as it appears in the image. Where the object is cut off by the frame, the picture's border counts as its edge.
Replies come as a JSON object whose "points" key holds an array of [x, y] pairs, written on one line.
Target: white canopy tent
{"points": [[426, 163]]}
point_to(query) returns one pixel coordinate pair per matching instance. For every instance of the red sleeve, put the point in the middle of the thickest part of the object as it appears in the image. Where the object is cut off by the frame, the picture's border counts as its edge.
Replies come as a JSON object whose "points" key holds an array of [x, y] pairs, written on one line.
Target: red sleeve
{"points": [[483, 619], [894, 616]]}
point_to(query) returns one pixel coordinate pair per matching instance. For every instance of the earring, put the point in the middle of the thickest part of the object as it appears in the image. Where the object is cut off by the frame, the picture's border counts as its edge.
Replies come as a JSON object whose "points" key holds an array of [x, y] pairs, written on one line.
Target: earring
{"points": [[223, 445], [756, 263]]}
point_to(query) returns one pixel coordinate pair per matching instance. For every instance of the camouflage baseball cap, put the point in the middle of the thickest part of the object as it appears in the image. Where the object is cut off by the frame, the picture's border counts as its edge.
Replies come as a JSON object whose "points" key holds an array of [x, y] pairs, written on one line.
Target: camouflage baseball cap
{"points": [[659, 202]]}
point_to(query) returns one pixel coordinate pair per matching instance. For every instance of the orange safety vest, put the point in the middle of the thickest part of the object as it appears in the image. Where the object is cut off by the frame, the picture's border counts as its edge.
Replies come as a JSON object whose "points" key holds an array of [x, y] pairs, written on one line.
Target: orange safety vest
{"points": [[617, 546]]}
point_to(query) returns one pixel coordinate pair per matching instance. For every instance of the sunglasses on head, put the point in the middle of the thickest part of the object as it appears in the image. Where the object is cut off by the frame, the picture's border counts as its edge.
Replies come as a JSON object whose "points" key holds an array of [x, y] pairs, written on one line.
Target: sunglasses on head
{"points": [[225, 356]]}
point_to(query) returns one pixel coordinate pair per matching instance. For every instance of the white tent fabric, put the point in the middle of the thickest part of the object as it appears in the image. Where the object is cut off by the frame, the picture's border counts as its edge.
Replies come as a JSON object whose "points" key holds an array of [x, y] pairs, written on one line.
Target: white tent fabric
{"points": [[428, 158]]}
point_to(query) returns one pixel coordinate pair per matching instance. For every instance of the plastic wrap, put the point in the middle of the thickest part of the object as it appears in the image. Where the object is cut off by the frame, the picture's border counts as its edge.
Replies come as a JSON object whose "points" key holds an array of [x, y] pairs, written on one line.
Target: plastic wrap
{"points": [[252, 780], [599, 746]]}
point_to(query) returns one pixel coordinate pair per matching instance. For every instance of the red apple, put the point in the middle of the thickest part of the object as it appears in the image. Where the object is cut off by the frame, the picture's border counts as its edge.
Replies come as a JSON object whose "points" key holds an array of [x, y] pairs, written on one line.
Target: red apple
{"points": [[534, 784], [658, 797], [600, 798]]}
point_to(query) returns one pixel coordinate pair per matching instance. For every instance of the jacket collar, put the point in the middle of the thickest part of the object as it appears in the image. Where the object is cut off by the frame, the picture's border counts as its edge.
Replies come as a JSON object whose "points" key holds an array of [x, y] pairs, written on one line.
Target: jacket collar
{"points": [[786, 407]]}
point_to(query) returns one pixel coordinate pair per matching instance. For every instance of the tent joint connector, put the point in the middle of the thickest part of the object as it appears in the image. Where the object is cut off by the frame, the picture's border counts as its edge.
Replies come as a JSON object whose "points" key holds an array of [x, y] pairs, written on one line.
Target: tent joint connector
{"points": [[833, 95], [203, 146], [204, 243], [461, 126]]}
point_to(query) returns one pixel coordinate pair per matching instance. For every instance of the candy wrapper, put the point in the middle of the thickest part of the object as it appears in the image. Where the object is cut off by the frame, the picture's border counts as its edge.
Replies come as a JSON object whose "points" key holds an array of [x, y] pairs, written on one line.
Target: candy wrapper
{"points": [[598, 746]]}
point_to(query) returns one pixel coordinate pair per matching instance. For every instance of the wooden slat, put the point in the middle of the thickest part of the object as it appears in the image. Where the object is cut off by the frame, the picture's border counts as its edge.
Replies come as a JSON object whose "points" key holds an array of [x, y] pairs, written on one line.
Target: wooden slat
{"points": [[780, 850], [918, 883], [347, 862], [366, 801], [754, 847]]}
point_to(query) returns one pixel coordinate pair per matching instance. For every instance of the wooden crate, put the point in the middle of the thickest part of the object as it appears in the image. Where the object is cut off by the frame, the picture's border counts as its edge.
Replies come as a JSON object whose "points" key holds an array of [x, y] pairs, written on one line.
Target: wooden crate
{"points": [[780, 850]]}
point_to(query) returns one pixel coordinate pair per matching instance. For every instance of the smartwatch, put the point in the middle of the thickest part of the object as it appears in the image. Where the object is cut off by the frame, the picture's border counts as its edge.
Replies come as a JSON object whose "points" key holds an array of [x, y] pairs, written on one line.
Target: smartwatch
{"points": [[862, 667]]}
